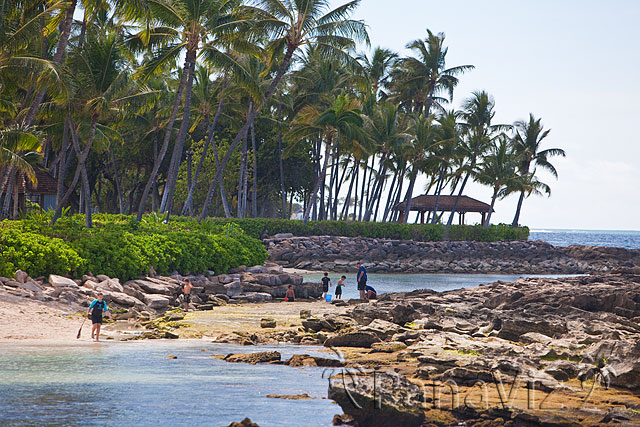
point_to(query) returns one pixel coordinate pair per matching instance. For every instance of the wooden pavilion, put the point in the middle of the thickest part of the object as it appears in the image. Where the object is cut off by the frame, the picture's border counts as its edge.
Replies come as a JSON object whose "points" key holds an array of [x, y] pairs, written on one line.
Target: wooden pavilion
{"points": [[43, 192], [426, 203]]}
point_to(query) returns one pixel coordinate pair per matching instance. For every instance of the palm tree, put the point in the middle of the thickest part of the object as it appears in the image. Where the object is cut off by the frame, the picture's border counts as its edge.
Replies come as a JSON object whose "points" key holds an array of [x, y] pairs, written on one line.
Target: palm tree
{"points": [[423, 79], [499, 171], [200, 28], [527, 142], [478, 112], [292, 25], [20, 151]]}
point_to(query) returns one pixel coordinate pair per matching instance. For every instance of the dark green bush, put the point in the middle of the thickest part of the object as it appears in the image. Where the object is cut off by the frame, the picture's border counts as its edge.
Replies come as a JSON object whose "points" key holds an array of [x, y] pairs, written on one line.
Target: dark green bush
{"points": [[120, 247], [256, 227]]}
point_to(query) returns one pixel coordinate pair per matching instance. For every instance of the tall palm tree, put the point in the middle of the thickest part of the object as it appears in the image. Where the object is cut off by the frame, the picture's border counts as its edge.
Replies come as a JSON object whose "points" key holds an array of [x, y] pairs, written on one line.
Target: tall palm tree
{"points": [[199, 28], [423, 79], [528, 142], [499, 171], [292, 25], [478, 113]]}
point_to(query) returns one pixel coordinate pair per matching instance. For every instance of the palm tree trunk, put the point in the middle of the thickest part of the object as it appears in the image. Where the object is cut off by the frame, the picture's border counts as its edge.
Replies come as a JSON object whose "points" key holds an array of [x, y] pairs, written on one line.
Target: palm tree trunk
{"points": [[62, 168], [283, 193], [9, 194], [516, 218], [409, 196], [455, 204], [210, 139], [165, 145], [176, 158], [345, 210], [390, 198], [82, 157], [439, 185], [116, 181], [284, 66], [254, 198], [320, 180], [57, 59], [243, 159], [493, 202]]}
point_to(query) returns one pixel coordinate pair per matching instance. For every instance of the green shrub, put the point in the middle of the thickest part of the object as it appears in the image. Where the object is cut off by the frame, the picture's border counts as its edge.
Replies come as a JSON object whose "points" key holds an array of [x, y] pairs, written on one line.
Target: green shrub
{"points": [[120, 247], [257, 227], [36, 254]]}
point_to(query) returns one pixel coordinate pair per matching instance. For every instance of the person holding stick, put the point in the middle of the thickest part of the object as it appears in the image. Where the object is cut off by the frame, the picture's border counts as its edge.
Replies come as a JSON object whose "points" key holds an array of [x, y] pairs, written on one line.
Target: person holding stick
{"points": [[96, 308]]}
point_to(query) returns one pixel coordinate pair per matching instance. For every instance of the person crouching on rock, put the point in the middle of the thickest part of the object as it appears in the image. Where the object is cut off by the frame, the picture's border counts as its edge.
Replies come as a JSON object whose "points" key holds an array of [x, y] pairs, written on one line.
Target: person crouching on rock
{"points": [[371, 293], [290, 296], [339, 286], [326, 282], [186, 293], [96, 308]]}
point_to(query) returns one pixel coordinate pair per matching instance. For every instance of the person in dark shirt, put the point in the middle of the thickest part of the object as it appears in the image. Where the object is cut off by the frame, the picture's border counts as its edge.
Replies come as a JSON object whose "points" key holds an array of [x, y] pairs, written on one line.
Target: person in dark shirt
{"points": [[326, 283], [361, 278], [96, 308]]}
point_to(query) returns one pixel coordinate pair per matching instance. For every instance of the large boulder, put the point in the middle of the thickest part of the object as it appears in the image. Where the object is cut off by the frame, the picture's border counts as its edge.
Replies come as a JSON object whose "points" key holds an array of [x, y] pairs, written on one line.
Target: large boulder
{"points": [[156, 301], [21, 276], [353, 339], [61, 282], [381, 399], [253, 358], [124, 299], [153, 287]]}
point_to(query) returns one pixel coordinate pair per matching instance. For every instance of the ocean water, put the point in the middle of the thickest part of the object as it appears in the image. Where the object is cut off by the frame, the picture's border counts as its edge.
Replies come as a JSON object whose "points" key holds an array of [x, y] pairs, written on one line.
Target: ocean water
{"points": [[393, 282], [133, 383], [614, 238]]}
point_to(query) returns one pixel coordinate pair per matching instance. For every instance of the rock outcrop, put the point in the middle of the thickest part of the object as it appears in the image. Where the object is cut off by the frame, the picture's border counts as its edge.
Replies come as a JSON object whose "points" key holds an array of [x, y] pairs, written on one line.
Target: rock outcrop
{"points": [[483, 355], [404, 256]]}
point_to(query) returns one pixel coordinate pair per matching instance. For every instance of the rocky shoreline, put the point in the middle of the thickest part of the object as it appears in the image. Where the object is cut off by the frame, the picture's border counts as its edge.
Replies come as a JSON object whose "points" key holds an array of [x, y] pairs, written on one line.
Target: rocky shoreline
{"points": [[339, 254]]}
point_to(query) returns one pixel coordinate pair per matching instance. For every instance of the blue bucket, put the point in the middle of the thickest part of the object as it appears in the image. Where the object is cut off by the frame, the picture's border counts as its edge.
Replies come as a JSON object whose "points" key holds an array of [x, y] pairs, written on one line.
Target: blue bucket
{"points": [[328, 298]]}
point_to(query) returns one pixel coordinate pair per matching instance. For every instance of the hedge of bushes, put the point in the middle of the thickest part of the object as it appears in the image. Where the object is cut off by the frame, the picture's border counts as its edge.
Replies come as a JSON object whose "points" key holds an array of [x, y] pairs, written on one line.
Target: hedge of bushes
{"points": [[120, 247], [258, 227]]}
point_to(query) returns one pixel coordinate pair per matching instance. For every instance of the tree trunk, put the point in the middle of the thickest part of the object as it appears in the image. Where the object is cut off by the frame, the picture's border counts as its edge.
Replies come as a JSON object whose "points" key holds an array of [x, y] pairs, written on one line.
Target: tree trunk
{"points": [[283, 193], [116, 181], [516, 218], [321, 178], [241, 172], [286, 61], [493, 202], [254, 199], [345, 210], [165, 145], [57, 59], [390, 198], [409, 196], [82, 157], [62, 169], [176, 158], [455, 204]]}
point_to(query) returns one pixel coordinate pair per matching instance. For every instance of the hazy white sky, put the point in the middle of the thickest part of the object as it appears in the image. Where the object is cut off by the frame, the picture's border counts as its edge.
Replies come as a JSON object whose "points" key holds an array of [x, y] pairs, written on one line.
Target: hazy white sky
{"points": [[574, 63]]}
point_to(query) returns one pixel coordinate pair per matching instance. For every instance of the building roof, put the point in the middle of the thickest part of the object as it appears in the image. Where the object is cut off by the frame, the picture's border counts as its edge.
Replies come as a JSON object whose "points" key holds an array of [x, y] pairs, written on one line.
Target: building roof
{"points": [[445, 203], [47, 184]]}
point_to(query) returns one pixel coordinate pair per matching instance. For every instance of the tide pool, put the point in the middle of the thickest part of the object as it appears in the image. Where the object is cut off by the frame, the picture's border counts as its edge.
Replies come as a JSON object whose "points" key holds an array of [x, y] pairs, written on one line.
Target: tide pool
{"points": [[133, 383]]}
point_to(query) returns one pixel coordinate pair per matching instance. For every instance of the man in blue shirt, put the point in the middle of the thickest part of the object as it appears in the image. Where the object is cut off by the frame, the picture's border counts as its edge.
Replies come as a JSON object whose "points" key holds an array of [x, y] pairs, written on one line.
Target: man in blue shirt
{"points": [[361, 279], [95, 309]]}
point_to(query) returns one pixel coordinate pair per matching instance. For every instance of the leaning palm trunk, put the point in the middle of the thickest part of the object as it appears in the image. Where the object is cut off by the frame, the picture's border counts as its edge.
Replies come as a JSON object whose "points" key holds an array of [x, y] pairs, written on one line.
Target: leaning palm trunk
{"points": [[409, 197], [82, 157], [116, 180], [9, 194], [347, 202], [516, 218], [210, 138], [493, 202], [250, 119], [455, 204], [320, 180], [176, 158], [165, 146], [254, 194], [283, 193]]}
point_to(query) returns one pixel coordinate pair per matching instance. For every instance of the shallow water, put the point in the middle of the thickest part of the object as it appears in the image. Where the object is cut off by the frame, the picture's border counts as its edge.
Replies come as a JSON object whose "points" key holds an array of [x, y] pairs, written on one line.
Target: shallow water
{"points": [[134, 383], [391, 282]]}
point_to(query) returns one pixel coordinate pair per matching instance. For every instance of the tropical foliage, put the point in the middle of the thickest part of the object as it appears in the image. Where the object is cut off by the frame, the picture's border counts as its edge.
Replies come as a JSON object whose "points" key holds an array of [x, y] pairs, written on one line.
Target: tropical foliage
{"points": [[242, 108]]}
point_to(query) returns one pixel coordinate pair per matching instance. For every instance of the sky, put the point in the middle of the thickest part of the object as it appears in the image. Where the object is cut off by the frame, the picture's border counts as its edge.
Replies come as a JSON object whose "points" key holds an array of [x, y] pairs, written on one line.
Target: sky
{"points": [[575, 64]]}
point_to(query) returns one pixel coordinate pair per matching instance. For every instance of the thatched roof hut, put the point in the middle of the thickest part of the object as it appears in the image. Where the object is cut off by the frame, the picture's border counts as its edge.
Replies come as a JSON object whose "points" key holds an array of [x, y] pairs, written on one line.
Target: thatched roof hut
{"points": [[427, 203]]}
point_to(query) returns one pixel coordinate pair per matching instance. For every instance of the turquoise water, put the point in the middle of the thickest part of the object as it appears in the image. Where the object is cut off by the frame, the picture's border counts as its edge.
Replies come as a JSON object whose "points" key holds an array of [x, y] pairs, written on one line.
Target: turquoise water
{"points": [[385, 283], [614, 238], [133, 383]]}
